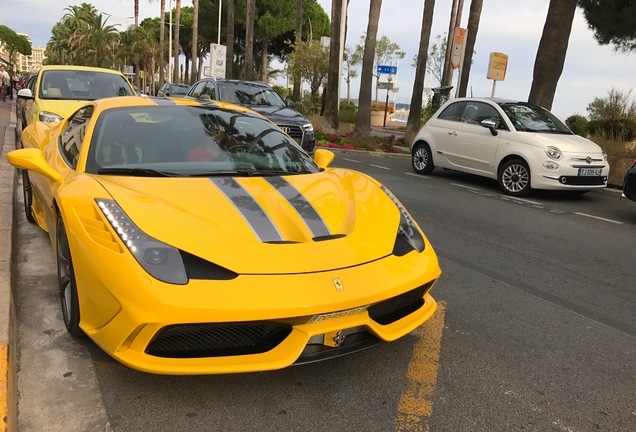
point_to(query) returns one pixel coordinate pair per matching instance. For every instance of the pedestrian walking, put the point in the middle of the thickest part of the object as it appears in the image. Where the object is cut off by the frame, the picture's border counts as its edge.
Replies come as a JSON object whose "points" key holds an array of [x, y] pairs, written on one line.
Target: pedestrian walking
{"points": [[5, 80]]}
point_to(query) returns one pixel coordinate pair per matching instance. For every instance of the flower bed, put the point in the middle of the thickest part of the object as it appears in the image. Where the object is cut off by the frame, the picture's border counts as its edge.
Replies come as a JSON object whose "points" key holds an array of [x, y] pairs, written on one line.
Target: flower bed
{"points": [[375, 144]]}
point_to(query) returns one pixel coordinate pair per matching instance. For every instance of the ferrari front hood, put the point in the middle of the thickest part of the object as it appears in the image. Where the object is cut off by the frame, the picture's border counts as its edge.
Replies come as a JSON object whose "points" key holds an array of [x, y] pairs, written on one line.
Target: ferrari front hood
{"points": [[265, 225]]}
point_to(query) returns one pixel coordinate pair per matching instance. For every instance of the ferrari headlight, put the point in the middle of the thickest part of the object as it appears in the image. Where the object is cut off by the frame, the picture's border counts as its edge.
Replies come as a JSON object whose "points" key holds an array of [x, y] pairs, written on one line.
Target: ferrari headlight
{"points": [[162, 261], [408, 230], [49, 117], [553, 152]]}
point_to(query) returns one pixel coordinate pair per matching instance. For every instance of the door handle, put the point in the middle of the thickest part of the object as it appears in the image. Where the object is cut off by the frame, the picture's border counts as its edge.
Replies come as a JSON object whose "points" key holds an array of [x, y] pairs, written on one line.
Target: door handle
{"points": [[452, 133]]}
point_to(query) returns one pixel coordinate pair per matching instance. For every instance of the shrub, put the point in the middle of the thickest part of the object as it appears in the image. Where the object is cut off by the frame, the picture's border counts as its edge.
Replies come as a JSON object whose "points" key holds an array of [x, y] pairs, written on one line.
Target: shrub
{"points": [[347, 112], [281, 91], [381, 107], [578, 124]]}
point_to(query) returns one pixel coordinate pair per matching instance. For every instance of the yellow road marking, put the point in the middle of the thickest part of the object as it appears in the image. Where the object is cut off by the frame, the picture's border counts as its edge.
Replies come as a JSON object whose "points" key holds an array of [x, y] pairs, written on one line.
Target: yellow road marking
{"points": [[4, 362], [416, 403]]}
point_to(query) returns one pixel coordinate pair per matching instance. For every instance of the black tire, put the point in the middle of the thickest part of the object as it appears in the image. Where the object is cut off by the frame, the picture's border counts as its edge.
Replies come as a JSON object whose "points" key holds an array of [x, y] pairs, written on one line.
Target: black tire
{"points": [[28, 196], [514, 178], [422, 159], [66, 281]]}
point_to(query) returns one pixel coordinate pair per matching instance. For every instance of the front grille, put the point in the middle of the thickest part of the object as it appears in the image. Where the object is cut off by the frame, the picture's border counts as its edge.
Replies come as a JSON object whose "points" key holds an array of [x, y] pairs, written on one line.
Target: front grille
{"points": [[400, 306], [198, 268], [296, 132], [583, 180], [217, 339]]}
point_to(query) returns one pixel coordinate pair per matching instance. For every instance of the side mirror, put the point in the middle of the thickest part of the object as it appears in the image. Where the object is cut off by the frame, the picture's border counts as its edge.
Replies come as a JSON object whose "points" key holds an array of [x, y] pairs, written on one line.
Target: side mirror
{"points": [[289, 102], [489, 124], [25, 93], [323, 158], [33, 159]]}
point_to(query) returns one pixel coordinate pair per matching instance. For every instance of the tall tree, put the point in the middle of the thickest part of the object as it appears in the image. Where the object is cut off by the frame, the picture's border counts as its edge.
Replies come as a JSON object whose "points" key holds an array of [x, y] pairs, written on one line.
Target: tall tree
{"points": [[229, 53], [351, 59], [136, 7], [298, 37], [162, 41], [471, 35], [249, 39], [333, 77], [363, 116], [195, 33], [385, 51], [613, 22], [175, 43], [415, 112], [99, 36], [548, 64], [455, 21]]}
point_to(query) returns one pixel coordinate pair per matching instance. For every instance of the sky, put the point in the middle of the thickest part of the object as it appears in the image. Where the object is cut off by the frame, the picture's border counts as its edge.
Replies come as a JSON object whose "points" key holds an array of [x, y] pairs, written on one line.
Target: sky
{"points": [[506, 26]]}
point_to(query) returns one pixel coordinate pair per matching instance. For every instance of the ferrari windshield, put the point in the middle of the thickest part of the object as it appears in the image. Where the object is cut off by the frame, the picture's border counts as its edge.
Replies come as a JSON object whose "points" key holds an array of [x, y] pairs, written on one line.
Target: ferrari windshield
{"points": [[246, 93], [532, 118], [177, 140], [82, 85]]}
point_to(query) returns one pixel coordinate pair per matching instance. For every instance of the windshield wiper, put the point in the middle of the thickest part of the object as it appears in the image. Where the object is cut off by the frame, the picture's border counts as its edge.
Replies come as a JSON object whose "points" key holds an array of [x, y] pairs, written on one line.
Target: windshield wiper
{"points": [[246, 173], [138, 172]]}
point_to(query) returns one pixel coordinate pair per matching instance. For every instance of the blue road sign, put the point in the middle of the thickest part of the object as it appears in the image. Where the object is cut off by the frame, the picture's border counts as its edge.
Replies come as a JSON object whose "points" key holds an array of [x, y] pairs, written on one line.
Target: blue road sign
{"points": [[391, 70]]}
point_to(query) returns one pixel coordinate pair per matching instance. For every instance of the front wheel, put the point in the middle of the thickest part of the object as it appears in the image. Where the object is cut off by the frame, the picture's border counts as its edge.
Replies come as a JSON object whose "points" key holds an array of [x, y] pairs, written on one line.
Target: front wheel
{"points": [[28, 196], [422, 159], [66, 281], [514, 178]]}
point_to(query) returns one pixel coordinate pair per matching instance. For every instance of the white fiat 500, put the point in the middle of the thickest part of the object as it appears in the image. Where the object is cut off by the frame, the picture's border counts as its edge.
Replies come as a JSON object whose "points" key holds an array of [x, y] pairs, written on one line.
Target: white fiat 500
{"points": [[521, 145]]}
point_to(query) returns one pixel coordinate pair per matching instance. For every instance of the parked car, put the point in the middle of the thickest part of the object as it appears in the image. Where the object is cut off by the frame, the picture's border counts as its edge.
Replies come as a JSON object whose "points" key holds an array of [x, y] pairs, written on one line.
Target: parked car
{"points": [[629, 183], [24, 79], [521, 145], [177, 230], [173, 90], [57, 91], [263, 99]]}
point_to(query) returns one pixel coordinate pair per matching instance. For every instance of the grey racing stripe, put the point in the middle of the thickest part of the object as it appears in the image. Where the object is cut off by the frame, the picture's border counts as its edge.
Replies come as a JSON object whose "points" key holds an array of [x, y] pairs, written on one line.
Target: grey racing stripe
{"points": [[162, 101], [305, 210], [251, 210]]}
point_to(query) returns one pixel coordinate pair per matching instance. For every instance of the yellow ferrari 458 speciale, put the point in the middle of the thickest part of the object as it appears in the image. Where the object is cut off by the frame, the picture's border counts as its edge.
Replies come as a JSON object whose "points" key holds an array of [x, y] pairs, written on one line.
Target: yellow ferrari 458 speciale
{"points": [[198, 238]]}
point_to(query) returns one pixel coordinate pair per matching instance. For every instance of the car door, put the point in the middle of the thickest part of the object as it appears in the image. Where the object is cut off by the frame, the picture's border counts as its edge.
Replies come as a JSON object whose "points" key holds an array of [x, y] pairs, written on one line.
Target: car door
{"points": [[30, 104], [473, 147]]}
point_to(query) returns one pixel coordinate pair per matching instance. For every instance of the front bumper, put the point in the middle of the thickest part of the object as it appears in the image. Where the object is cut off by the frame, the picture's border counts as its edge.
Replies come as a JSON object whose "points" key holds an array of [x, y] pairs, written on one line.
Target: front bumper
{"points": [[568, 178]]}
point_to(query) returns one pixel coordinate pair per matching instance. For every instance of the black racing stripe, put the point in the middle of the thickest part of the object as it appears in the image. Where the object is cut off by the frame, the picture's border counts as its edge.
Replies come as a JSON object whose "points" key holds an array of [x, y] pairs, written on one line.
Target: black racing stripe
{"points": [[305, 210], [162, 101], [251, 210]]}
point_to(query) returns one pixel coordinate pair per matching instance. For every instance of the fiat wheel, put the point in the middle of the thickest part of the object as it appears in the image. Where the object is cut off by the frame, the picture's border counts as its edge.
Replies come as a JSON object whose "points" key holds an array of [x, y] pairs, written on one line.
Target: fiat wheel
{"points": [[514, 177], [422, 159], [66, 281], [28, 196]]}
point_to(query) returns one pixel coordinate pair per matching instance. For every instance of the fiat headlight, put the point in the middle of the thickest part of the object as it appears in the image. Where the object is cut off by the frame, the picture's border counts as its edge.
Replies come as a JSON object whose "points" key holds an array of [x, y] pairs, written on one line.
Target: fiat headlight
{"points": [[407, 231], [162, 261], [604, 155], [553, 152], [49, 117]]}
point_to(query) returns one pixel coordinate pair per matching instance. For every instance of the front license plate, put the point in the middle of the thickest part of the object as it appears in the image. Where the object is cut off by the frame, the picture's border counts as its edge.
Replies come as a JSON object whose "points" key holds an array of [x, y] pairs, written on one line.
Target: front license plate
{"points": [[339, 314], [589, 171]]}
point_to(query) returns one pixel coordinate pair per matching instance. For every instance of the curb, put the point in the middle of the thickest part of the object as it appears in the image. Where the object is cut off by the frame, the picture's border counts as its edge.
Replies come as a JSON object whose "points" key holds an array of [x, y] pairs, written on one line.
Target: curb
{"points": [[8, 180]]}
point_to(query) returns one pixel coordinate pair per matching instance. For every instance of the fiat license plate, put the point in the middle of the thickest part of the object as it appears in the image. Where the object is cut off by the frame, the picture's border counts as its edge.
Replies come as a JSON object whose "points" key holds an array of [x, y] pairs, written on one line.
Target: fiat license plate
{"points": [[589, 171], [332, 315]]}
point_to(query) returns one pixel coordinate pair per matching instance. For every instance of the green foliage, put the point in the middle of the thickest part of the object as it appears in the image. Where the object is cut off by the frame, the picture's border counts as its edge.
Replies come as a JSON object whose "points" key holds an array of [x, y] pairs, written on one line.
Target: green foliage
{"points": [[385, 144], [307, 106], [578, 124], [310, 62], [613, 116], [14, 42], [347, 112], [282, 91], [613, 22]]}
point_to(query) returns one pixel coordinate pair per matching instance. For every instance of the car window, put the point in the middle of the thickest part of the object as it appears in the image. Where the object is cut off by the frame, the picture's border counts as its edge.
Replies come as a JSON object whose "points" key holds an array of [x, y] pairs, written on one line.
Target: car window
{"points": [[476, 112], [82, 85], [532, 118], [249, 93], [209, 90], [197, 90], [191, 141], [31, 84], [73, 136], [452, 112]]}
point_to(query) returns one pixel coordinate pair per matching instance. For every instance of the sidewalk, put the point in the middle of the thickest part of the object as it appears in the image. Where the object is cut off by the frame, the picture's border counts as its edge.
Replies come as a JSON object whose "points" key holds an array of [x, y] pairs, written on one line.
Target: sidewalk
{"points": [[8, 180]]}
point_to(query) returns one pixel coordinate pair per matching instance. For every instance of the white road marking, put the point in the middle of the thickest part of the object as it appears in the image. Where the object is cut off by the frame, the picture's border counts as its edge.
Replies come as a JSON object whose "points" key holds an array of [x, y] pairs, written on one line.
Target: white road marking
{"points": [[352, 160], [417, 175], [599, 218], [380, 166], [522, 200], [465, 187]]}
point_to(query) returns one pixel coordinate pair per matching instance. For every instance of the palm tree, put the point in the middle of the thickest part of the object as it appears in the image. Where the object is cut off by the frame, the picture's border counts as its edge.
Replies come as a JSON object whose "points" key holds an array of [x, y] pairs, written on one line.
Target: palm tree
{"points": [[195, 33], [298, 38], [136, 13], [249, 39], [553, 46], [229, 54], [162, 40], [413, 122], [175, 44], [472, 28], [332, 97], [99, 36], [455, 21], [363, 117]]}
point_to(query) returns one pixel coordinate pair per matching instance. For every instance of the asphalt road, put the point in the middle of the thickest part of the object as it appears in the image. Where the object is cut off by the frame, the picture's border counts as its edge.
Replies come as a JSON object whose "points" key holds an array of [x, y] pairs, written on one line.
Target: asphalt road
{"points": [[537, 329]]}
